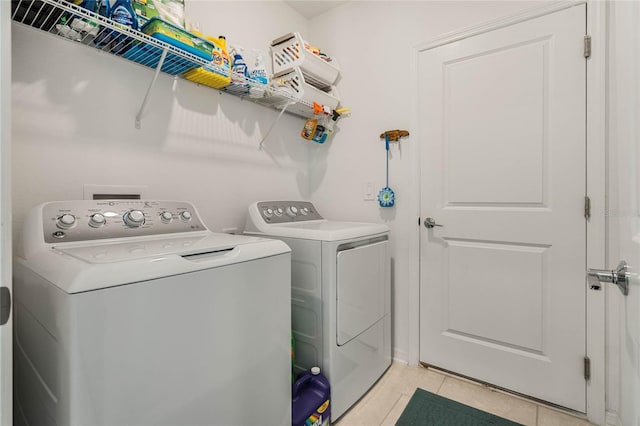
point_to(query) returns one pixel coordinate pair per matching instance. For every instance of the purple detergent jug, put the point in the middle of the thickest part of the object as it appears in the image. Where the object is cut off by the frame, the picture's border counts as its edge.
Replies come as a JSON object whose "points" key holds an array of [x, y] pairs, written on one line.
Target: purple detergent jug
{"points": [[311, 399]]}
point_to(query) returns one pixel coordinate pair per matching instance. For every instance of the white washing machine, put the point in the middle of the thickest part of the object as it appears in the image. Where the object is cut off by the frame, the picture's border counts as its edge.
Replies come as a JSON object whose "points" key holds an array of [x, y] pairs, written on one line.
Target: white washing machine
{"points": [[133, 313], [340, 294]]}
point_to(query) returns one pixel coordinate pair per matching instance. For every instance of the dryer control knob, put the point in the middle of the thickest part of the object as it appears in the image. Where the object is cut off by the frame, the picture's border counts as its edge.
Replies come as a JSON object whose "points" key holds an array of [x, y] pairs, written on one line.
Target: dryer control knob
{"points": [[166, 217], [134, 218], [186, 216], [66, 221], [96, 220], [279, 211], [304, 211], [292, 211], [268, 212]]}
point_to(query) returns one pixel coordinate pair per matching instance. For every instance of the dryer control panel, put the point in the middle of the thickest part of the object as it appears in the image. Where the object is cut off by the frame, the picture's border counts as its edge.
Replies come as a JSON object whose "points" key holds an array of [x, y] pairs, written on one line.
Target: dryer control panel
{"points": [[84, 220], [287, 211]]}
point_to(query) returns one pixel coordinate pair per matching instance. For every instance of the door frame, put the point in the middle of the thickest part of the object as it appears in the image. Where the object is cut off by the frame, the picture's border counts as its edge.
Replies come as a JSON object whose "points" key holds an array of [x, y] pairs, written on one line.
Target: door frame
{"points": [[6, 343], [595, 185]]}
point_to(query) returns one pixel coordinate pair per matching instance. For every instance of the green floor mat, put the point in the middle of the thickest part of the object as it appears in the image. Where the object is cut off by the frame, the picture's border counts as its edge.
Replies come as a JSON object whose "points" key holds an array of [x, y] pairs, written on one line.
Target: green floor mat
{"points": [[428, 409]]}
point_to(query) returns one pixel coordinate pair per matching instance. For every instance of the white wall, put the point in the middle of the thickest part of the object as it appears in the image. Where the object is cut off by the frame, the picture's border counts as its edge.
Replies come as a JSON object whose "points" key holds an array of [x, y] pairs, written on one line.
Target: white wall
{"points": [[624, 209], [73, 124], [74, 109], [372, 41]]}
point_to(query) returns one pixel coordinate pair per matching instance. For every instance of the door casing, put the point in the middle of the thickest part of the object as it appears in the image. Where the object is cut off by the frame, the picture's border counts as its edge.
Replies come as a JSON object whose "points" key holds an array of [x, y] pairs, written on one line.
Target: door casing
{"points": [[6, 332], [595, 186]]}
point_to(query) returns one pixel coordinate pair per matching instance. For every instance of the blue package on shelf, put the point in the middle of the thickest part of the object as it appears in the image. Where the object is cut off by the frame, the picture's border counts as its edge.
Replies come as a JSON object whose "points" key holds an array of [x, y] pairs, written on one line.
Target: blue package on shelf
{"points": [[150, 56]]}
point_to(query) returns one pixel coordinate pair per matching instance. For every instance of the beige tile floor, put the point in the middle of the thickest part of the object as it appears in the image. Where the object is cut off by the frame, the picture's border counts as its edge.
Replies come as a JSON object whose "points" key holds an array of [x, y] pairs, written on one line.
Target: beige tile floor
{"points": [[384, 403]]}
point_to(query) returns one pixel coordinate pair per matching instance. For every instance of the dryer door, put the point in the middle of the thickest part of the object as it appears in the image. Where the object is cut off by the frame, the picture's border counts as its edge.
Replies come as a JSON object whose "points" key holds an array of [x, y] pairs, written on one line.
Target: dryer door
{"points": [[361, 279]]}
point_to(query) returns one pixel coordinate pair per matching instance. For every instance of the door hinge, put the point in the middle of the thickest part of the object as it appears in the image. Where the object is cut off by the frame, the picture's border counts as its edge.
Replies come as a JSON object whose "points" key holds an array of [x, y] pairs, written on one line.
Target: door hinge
{"points": [[5, 305], [587, 207], [587, 368], [587, 46]]}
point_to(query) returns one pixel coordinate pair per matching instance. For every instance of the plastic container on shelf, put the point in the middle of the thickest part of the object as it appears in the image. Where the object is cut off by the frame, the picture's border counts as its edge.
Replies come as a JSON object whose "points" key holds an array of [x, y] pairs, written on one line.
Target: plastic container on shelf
{"points": [[311, 404], [288, 52], [295, 81], [149, 55], [179, 37]]}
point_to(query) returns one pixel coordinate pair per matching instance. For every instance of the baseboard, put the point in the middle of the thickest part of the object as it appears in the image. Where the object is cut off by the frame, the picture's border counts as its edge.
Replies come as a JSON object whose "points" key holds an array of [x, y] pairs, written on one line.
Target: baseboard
{"points": [[400, 356], [613, 419]]}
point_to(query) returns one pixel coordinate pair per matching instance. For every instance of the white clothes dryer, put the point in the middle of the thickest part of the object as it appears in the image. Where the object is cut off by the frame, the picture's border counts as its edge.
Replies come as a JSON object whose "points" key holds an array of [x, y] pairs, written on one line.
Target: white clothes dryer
{"points": [[340, 294], [134, 313]]}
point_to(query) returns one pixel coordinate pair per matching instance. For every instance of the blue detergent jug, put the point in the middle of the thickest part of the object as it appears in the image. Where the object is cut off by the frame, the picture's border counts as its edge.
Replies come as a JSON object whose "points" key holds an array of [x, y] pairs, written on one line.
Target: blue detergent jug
{"points": [[124, 16], [311, 404]]}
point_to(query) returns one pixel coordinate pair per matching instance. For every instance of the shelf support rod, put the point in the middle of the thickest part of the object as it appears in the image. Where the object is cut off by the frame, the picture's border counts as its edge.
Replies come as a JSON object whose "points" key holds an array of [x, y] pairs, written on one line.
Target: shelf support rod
{"points": [[284, 108], [153, 83]]}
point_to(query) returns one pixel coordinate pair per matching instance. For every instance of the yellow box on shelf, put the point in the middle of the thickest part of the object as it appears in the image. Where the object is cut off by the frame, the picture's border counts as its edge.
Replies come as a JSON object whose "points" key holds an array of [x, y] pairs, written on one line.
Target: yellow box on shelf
{"points": [[218, 75]]}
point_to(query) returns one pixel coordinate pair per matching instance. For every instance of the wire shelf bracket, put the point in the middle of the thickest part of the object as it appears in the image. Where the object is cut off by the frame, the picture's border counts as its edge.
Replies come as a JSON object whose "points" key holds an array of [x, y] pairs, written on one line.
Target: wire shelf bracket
{"points": [[284, 108], [163, 56]]}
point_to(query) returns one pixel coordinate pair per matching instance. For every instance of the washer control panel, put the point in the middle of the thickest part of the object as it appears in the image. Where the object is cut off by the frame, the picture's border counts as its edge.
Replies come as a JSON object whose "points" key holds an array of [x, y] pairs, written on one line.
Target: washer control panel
{"points": [[66, 221], [287, 211]]}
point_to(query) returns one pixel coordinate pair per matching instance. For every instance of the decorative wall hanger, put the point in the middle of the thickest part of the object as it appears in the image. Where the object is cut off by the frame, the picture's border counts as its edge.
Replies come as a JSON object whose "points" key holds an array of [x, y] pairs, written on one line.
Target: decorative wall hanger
{"points": [[386, 196]]}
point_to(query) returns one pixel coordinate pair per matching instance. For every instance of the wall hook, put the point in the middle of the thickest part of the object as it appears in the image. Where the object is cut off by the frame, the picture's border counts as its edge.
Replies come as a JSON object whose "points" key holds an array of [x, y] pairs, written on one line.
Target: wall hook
{"points": [[394, 135]]}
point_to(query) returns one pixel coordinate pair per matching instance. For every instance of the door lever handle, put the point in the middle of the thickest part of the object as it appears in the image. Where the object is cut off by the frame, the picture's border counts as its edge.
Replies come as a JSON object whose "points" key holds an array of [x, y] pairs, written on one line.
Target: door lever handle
{"points": [[430, 223], [619, 277]]}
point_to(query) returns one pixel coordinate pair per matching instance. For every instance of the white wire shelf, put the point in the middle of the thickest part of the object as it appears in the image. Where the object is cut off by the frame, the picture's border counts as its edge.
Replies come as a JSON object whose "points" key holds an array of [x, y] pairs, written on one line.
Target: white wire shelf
{"points": [[67, 20]]}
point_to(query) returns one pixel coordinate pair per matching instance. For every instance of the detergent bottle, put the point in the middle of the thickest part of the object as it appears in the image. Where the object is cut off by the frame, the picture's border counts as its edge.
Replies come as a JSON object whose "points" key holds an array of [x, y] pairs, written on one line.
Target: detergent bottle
{"points": [[311, 404], [123, 14], [218, 75], [238, 72], [239, 66], [221, 42]]}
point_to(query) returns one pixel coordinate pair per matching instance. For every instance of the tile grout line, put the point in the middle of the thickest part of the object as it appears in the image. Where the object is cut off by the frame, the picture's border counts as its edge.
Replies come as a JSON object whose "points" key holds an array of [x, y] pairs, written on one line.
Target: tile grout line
{"points": [[391, 410], [441, 384]]}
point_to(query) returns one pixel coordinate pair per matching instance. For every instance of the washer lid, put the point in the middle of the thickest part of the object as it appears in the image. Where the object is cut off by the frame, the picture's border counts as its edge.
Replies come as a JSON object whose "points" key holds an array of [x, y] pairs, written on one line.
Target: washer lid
{"points": [[323, 230], [97, 266], [362, 289], [146, 248]]}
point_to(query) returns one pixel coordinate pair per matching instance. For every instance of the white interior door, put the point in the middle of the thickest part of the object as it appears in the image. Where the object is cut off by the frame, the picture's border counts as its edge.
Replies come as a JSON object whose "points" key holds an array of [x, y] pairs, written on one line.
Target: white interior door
{"points": [[502, 286], [6, 391]]}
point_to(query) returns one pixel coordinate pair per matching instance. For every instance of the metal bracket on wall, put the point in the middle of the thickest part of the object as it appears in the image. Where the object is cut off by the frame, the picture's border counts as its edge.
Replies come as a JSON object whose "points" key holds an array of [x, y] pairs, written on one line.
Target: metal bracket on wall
{"points": [[284, 108], [153, 83]]}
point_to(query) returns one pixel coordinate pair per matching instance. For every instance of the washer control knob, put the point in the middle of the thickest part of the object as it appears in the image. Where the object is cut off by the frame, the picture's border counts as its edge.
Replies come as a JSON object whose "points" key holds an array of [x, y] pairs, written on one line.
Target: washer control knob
{"points": [[185, 216], [304, 211], [166, 217], [268, 212], [66, 221], [279, 211], [292, 211], [96, 220], [134, 218]]}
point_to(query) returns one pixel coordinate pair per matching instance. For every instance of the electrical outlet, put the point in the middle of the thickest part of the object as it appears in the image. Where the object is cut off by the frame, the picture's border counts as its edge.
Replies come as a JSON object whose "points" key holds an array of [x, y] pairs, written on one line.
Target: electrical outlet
{"points": [[369, 194]]}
